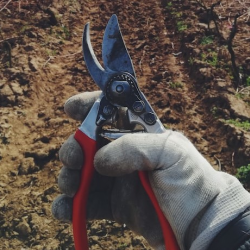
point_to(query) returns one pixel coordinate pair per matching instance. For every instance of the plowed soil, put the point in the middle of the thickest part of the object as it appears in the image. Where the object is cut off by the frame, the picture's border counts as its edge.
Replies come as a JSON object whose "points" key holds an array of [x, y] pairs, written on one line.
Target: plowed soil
{"points": [[183, 67]]}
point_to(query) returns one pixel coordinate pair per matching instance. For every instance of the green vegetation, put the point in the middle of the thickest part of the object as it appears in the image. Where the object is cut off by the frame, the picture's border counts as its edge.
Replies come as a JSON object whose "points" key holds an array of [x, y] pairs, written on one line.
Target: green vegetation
{"points": [[177, 14], [62, 33], [243, 174], [244, 125], [191, 61], [157, 38], [214, 111], [169, 5], [211, 58], [207, 40], [181, 26], [239, 95], [24, 28], [248, 81], [51, 52], [66, 32], [123, 246], [213, 61], [176, 85]]}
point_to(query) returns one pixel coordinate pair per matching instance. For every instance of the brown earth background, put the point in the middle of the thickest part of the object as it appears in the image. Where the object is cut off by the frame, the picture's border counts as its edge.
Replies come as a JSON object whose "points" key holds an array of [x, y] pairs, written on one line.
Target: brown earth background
{"points": [[179, 50]]}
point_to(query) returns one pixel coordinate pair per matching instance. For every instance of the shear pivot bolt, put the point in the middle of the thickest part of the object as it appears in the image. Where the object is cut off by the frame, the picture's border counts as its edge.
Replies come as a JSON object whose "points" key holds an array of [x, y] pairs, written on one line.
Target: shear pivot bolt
{"points": [[150, 118], [119, 88], [107, 110], [138, 106]]}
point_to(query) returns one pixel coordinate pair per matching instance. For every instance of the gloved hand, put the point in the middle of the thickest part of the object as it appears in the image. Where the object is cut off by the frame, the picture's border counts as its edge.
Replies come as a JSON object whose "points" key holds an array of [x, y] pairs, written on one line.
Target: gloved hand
{"points": [[197, 200]]}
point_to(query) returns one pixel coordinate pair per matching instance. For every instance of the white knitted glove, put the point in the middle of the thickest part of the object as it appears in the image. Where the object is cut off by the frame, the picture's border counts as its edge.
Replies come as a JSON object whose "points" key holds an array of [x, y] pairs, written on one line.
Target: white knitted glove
{"points": [[197, 200]]}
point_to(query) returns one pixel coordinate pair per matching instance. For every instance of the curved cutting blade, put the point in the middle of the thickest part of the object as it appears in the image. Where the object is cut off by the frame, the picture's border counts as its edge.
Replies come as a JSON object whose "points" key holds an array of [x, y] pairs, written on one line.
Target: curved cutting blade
{"points": [[114, 53], [99, 75]]}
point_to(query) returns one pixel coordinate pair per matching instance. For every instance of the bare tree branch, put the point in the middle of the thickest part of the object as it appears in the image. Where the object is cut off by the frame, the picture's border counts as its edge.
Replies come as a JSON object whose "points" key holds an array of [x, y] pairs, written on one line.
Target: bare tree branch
{"points": [[5, 5], [231, 51]]}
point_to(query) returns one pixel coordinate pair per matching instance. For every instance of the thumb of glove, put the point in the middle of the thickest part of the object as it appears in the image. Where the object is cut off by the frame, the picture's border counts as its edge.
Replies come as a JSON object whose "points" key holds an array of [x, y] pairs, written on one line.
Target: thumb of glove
{"points": [[134, 152], [191, 194]]}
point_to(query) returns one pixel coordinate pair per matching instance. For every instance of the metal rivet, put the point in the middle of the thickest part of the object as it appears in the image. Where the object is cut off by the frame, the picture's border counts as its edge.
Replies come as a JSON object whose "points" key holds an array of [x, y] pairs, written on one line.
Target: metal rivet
{"points": [[107, 110], [119, 88], [138, 106], [150, 118]]}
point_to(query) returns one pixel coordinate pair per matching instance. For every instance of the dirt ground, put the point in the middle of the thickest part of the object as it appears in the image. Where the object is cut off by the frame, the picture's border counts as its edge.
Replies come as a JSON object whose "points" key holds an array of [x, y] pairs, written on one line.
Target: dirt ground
{"points": [[183, 67]]}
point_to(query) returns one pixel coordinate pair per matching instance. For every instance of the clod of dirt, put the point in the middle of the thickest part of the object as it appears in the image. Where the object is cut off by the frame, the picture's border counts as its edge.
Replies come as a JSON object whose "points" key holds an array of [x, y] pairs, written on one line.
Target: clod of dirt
{"points": [[206, 74], [239, 108], [174, 71], [7, 96], [23, 229], [28, 166], [236, 138], [242, 156], [33, 64], [41, 151], [17, 90]]}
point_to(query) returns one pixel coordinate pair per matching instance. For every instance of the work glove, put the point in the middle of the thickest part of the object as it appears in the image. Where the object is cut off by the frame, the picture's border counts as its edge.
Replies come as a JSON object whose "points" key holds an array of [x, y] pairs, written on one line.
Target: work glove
{"points": [[197, 200]]}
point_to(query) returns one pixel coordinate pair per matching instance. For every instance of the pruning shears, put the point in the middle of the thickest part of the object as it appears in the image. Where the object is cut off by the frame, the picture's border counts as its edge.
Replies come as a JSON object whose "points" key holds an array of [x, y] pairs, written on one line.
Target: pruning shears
{"points": [[118, 83]]}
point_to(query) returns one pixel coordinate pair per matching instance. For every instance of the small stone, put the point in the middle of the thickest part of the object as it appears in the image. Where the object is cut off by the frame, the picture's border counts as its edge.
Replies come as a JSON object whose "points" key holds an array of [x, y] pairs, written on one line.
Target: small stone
{"points": [[16, 88], [6, 90], [222, 84], [3, 203], [23, 229], [2, 184], [239, 107], [202, 25], [196, 52], [32, 34], [247, 60], [33, 64], [206, 72]]}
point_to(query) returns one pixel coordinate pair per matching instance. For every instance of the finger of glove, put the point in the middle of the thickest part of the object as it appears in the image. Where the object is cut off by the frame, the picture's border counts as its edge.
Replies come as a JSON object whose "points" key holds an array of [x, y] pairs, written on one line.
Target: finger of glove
{"points": [[69, 181], [98, 207], [62, 208], [70, 154], [134, 152], [78, 106]]}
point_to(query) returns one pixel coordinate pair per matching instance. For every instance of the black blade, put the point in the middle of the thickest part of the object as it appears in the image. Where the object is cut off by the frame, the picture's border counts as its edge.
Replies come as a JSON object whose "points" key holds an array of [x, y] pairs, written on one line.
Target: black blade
{"points": [[114, 53]]}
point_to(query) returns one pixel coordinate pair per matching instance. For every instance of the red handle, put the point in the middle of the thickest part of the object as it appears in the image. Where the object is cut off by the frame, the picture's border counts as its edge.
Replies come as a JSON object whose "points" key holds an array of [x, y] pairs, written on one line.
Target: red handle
{"points": [[88, 146], [168, 234]]}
